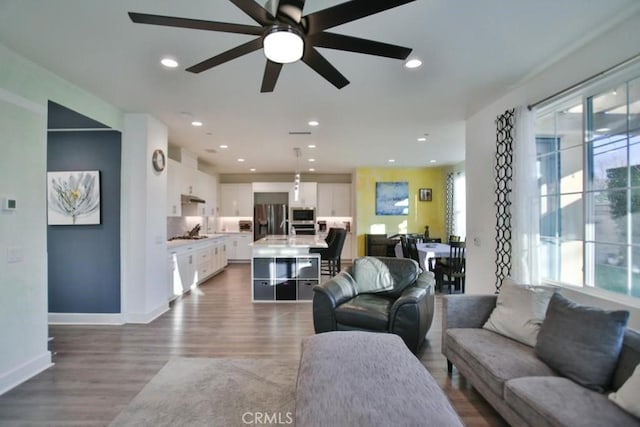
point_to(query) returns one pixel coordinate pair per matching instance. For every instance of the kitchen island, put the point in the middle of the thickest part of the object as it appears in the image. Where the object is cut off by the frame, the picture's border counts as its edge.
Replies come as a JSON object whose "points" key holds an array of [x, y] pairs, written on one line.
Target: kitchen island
{"points": [[282, 269]]}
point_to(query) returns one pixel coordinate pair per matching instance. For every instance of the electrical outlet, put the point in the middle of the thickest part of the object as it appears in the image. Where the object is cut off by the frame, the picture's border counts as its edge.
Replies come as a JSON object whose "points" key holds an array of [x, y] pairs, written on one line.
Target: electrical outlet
{"points": [[14, 254]]}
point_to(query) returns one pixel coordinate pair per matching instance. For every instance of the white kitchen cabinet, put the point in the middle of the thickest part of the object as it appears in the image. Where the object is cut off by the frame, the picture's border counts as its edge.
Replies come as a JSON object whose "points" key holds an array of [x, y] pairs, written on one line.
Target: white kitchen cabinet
{"points": [[238, 248], [206, 189], [186, 269], [243, 250], [171, 268], [236, 200], [334, 200], [307, 195], [174, 177]]}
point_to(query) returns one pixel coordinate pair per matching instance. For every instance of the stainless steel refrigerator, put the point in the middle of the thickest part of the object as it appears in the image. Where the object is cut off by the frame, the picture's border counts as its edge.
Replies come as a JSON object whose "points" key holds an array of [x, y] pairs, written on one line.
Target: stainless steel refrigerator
{"points": [[270, 219]]}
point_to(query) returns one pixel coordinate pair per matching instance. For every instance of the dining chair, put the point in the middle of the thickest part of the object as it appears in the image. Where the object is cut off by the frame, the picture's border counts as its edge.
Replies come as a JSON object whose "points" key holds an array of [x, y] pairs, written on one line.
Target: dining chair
{"points": [[412, 249], [450, 271], [404, 245]]}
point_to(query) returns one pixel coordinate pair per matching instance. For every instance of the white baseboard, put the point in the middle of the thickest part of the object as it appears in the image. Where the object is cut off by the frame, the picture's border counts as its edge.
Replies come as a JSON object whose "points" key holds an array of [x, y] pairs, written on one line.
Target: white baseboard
{"points": [[20, 374], [86, 319], [147, 317]]}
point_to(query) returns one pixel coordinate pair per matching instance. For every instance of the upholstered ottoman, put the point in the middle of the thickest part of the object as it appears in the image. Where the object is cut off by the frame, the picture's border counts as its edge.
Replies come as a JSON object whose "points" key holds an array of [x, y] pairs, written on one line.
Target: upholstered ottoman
{"points": [[352, 378]]}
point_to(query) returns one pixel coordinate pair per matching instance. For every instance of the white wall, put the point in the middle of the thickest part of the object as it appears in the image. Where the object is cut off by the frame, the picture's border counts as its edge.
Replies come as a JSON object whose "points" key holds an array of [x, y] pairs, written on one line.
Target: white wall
{"points": [[25, 89], [607, 49], [144, 230]]}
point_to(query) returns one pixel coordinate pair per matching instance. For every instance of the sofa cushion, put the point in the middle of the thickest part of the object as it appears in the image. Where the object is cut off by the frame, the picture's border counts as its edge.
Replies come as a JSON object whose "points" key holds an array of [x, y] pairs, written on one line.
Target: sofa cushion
{"points": [[495, 358], [519, 312], [557, 401], [365, 311], [581, 342], [628, 396]]}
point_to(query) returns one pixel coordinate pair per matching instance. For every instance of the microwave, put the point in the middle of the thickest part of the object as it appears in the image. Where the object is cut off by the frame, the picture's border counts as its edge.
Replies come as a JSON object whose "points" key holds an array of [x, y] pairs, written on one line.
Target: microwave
{"points": [[303, 215]]}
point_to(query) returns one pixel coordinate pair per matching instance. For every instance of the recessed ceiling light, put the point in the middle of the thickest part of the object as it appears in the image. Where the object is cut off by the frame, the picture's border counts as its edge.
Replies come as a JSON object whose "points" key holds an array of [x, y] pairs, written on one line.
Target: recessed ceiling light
{"points": [[314, 123], [392, 160], [312, 160], [603, 129], [241, 160], [223, 146], [169, 62], [413, 63], [196, 123], [422, 139], [312, 170], [311, 146], [432, 161], [252, 169], [575, 109]]}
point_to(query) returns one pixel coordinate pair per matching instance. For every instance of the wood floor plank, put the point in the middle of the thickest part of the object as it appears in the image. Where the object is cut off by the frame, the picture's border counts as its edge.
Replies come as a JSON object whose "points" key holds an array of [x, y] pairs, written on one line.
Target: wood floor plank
{"points": [[99, 369]]}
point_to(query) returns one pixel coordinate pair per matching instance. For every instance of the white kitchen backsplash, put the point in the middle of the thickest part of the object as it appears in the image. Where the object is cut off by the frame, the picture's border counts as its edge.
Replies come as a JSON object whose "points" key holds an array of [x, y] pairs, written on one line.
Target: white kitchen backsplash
{"points": [[230, 224], [180, 225]]}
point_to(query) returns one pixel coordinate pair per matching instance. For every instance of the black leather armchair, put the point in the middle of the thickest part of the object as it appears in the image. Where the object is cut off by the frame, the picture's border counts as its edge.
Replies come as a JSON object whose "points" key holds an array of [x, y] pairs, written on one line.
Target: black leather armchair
{"points": [[378, 294]]}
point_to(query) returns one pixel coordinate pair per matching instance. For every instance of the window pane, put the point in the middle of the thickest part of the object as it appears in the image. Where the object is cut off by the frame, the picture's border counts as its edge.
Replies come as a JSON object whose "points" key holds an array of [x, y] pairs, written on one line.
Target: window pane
{"points": [[610, 267], [608, 215], [569, 124], [608, 113], [634, 105], [571, 179]]}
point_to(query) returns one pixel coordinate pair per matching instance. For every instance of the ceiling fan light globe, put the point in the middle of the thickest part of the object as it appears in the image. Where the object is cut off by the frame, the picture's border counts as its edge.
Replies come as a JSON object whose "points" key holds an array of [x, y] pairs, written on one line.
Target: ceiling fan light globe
{"points": [[283, 45]]}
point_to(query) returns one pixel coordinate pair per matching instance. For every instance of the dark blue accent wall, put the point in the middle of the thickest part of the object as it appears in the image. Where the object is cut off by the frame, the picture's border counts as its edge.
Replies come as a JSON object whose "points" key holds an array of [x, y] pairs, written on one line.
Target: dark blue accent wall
{"points": [[84, 260]]}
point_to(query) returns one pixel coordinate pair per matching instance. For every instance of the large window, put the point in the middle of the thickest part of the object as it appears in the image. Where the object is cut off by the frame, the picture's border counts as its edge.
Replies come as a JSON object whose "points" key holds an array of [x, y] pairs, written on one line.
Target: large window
{"points": [[588, 157]]}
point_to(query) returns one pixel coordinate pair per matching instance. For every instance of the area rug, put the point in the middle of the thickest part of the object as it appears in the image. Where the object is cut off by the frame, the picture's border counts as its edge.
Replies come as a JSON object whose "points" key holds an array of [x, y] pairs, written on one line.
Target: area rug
{"points": [[215, 392]]}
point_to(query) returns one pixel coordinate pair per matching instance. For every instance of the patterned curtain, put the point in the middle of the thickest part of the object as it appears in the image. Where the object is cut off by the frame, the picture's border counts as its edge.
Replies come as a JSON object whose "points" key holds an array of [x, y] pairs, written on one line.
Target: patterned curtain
{"points": [[449, 206], [504, 178]]}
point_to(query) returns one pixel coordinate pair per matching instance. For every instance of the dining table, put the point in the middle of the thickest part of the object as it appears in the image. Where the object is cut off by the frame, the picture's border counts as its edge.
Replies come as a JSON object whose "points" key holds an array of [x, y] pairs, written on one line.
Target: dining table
{"points": [[426, 251]]}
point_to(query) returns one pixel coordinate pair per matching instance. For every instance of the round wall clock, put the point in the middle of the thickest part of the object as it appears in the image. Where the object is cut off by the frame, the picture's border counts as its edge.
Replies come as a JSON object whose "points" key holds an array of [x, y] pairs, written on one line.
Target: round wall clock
{"points": [[158, 160]]}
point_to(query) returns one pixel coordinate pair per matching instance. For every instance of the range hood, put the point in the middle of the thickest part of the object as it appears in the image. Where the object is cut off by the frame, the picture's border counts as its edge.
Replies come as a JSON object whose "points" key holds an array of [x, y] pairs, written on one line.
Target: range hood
{"points": [[187, 199]]}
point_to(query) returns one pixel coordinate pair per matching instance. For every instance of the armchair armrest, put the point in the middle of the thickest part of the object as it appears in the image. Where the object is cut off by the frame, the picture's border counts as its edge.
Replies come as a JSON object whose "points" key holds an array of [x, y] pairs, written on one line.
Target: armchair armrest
{"points": [[465, 311], [411, 314], [327, 296]]}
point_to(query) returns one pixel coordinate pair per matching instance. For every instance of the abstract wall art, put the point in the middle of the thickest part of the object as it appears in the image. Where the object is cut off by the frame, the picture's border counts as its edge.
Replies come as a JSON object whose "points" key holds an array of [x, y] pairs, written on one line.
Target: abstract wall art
{"points": [[73, 198], [392, 198]]}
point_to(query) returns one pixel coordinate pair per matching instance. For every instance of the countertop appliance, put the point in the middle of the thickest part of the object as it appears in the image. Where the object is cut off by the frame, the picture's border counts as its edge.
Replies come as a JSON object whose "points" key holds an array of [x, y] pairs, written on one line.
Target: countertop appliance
{"points": [[322, 226], [303, 229], [303, 215], [270, 219], [245, 225]]}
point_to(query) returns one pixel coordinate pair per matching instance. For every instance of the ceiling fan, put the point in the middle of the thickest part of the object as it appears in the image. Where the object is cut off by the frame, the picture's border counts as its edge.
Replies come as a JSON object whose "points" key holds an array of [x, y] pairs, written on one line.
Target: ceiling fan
{"points": [[287, 36]]}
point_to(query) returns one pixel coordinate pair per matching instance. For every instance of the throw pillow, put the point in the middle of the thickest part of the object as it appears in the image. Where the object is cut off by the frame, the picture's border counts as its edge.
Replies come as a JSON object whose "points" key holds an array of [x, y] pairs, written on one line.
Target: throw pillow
{"points": [[580, 342], [519, 312], [371, 275], [627, 396]]}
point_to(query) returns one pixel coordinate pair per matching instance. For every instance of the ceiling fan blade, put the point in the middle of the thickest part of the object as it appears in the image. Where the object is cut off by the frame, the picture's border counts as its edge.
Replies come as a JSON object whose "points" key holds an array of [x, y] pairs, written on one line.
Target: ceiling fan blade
{"points": [[321, 66], [347, 12], [258, 13], [355, 44], [196, 24], [234, 53], [271, 73]]}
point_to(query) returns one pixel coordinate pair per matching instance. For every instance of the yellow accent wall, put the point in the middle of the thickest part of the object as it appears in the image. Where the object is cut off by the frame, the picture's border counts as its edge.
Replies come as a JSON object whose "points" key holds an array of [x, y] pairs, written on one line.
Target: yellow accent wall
{"points": [[420, 213]]}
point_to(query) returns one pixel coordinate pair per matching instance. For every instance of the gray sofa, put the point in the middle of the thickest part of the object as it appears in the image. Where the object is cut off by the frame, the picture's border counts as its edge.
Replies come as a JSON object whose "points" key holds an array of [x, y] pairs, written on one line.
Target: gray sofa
{"points": [[522, 388]]}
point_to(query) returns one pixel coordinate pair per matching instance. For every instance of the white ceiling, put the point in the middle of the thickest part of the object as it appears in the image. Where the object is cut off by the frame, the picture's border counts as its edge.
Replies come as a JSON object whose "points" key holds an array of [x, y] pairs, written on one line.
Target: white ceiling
{"points": [[472, 52]]}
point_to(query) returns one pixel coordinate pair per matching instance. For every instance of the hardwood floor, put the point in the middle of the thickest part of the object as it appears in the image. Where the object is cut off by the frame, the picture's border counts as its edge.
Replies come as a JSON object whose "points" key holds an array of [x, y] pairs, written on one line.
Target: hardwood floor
{"points": [[99, 369]]}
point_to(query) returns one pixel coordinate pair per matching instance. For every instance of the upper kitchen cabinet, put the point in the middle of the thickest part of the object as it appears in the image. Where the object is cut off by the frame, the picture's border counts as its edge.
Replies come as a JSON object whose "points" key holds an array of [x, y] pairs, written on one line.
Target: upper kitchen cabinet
{"points": [[307, 195], [207, 188], [236, 200], [334, 200], [174, 186]]}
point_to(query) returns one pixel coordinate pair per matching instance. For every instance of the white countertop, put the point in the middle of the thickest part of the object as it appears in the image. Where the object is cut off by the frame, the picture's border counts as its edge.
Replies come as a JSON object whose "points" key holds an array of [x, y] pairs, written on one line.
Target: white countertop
{"points": [[284, 241], [172, 244]]}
